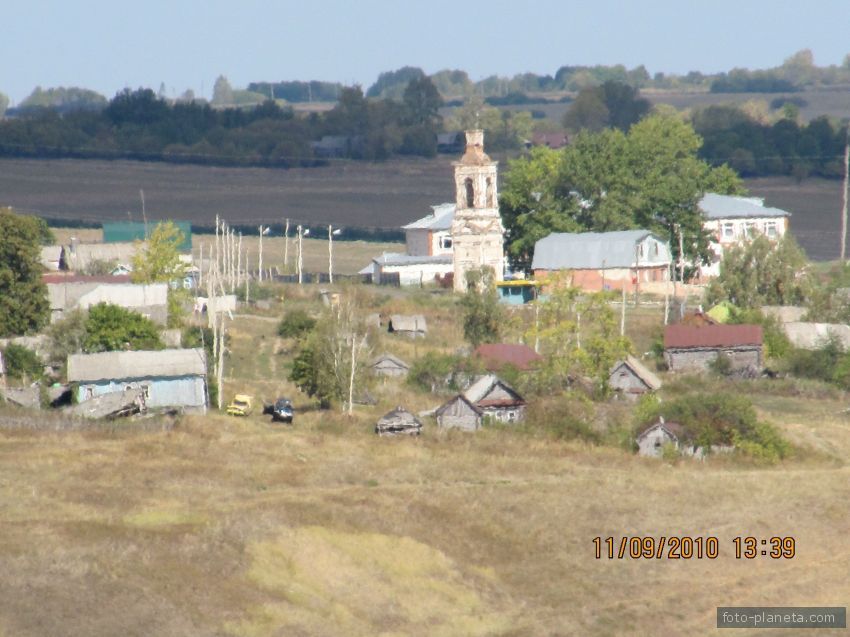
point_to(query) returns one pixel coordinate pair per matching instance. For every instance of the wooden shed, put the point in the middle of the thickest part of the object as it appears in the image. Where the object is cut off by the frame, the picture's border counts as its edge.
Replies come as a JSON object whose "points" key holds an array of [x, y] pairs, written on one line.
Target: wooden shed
{"points": [[652, 439], [388, 365], [693, 349], [631, 378], [398, 422], [459, 413]]}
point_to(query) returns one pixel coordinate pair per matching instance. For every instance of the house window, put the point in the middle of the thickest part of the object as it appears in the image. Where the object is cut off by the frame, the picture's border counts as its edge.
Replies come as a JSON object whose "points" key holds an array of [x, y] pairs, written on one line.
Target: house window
{"points": [[89, 392], [750, 229], [655, 248], [728, 230], [445, 242], [770, 229]]}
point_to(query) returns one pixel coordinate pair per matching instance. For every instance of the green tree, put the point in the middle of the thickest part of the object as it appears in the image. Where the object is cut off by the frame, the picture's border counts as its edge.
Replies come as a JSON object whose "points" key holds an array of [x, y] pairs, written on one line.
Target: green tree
{"points": [[23, 296], [159, 259], [295, 324], [22, 363], [67, 336], [483, 315], [111, 327], [649, 178], [613, 104], [422, 102], [762, 272]]}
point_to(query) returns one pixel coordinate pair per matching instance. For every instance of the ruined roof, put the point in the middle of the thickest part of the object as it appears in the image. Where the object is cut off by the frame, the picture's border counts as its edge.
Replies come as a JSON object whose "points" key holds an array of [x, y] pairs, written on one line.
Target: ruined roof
{"points": [[497, 355], [440, 219], [640, 370], [594, 250], [715, 206], [168, 363], [687, 336]]}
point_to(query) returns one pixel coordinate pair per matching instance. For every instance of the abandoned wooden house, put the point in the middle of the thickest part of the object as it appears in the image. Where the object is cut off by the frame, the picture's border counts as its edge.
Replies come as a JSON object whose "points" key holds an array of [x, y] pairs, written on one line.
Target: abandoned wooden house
{"points": [[652, 439], [398, 422], [388, 365], [631, 378], [413, 326], [488, 397], [694, 349]]}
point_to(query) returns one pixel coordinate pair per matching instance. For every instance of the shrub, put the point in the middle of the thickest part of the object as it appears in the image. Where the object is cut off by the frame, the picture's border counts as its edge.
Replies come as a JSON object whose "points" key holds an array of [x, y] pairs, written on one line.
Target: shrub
{"points": [[22, 363], [564, 418], [295, 323], [433, 371], [110, 328]]}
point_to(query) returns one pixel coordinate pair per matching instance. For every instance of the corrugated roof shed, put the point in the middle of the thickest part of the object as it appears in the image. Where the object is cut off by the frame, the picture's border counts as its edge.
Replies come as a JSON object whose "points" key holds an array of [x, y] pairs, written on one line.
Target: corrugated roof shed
{"points": [[594, 250], [166, 363], [715, 206], [440, 219], [497, 355], [677, 336], [118, 231]]}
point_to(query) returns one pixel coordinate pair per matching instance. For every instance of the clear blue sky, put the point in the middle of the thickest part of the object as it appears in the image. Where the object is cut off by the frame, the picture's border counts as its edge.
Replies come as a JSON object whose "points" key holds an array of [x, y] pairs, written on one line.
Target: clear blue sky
{"points": [[106, 45]]}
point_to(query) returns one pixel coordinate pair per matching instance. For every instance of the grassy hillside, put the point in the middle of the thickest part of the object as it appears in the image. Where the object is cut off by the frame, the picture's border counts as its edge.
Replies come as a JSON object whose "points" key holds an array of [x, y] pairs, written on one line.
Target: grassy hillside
{"points": [[239, 527]]}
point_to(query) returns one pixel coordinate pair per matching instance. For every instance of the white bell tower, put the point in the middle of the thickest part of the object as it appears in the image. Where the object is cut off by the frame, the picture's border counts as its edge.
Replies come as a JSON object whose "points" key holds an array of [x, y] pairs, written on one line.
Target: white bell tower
{"points": [[477, 230]]}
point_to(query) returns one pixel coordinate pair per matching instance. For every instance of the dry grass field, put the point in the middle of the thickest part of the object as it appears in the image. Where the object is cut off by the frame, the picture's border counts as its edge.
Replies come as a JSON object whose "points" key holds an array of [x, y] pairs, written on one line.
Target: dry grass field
{"points": [[238, 527]]}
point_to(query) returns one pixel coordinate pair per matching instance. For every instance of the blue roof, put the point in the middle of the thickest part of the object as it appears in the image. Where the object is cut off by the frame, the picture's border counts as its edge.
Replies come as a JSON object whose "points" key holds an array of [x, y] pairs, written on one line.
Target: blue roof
{"points": [[716, 206], [594, 250], [440, 219]]}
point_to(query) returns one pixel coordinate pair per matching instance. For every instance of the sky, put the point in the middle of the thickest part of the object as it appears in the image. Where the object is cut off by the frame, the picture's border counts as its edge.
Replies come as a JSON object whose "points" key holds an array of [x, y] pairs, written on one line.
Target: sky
{"points": [[107, 45]]}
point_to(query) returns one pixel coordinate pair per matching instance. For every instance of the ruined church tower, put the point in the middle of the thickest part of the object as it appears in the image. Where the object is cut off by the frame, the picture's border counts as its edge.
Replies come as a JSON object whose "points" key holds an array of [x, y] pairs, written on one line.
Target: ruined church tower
{"points": [[477, 231]]}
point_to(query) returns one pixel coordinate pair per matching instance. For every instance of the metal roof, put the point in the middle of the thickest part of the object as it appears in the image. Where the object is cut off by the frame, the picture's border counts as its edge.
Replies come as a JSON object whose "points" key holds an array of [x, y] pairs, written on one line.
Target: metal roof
{"points": [[118, 231], [440, 219], [716, 206], [594, 250], [166, 363], [687, 336], [397, 258]]}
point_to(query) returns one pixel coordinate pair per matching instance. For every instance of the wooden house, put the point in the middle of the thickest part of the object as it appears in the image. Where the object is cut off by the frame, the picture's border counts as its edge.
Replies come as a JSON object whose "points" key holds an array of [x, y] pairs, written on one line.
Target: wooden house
{"points": [[651, 440], [693, 349], [487, 397], [398, 422], [631, 378], [388, 365]]}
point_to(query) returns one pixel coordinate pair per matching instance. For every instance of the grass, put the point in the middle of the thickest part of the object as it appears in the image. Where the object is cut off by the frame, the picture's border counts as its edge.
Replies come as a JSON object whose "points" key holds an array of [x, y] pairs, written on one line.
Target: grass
{"points": [[237, 526]]}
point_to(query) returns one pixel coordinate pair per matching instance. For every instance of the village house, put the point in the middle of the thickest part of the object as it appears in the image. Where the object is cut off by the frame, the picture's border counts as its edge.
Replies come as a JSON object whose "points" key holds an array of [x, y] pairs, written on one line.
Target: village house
{"points": [[398, 422], [495, 356], [388, 365], [169, 378], [652, 439], [732, 219], [67, 293], [413, 326], [693, 349], [631, 378], [487, 397], [597, 261]]}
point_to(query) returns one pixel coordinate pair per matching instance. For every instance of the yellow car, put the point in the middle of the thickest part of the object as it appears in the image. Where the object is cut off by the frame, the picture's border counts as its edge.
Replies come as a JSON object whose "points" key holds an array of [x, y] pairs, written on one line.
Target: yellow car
{"points": [[242, 405]]}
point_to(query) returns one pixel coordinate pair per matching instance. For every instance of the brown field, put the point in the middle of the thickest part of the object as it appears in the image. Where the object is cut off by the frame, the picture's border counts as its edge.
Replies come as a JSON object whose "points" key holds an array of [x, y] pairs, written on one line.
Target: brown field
{"points": [[385, 195], [227, 526]]}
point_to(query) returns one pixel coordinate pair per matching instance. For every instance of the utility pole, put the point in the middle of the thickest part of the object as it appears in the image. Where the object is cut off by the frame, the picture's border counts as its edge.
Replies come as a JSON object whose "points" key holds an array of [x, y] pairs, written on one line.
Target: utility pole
{"points": [[300, 262], [844, 192], [260, 262], [286, 247], [637, 275], [239, 262], [330, 254]]}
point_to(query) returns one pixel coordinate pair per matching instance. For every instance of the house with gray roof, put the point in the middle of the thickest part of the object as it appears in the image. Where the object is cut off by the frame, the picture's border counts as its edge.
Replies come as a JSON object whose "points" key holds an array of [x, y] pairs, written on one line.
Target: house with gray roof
{"points": [[732, 219], [630, 378], [168, 378], [597, 261], [487, 397]]}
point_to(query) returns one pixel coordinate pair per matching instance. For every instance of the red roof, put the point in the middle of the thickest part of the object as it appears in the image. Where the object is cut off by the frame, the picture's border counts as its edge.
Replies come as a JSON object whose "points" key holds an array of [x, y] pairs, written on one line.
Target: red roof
{"points": [[497, 355], [80, 278], [712, 335]]}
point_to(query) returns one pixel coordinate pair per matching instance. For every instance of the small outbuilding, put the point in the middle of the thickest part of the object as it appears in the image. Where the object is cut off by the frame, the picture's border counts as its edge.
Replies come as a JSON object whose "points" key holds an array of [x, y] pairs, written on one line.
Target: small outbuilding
{"points": [[694, 348], [651, 440], [413, 326], [489, 396], [631, 378], [398, 422], [388, 365], [459, 413]]}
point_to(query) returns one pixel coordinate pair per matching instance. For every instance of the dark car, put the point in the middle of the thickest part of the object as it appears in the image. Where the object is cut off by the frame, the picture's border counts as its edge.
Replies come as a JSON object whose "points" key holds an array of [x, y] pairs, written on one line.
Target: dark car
{"points": [[282, 410]]}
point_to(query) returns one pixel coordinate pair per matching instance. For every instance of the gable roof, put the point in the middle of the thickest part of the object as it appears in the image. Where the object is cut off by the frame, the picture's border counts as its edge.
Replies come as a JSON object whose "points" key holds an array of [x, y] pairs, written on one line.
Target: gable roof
{"points": [[640, 370], [442, 408], [673, 429], [686, 336], [497, 355], [440, 219], [386, 356], [714, 206], [477, 392], [593, 250], [168, 363]]}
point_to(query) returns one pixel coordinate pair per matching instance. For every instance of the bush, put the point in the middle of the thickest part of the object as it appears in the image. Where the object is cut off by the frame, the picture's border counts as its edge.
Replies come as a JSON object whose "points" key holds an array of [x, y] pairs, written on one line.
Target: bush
{"points": [[110, 328], [296, 323], [565, 418], [433, 372], [22, 363]]}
